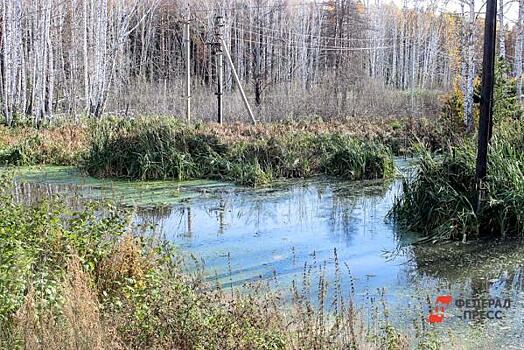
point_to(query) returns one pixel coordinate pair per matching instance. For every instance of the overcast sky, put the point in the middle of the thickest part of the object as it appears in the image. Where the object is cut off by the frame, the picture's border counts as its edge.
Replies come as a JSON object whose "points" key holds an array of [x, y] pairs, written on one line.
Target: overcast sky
{"points": [[510, 7]]}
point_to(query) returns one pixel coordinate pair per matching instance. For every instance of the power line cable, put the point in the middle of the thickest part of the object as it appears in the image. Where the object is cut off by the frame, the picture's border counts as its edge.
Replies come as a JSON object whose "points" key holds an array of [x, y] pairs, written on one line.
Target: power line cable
{"points": [[320, 36], [322, 48], [313, 37], [274, 6]]}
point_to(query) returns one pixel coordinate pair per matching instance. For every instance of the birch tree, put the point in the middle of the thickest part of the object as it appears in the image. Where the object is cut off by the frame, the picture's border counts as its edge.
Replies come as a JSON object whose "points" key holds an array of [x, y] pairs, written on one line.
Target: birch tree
{"points": [[11, 58], [518, 49], [74, 57], [469, 68], [501, 30]]}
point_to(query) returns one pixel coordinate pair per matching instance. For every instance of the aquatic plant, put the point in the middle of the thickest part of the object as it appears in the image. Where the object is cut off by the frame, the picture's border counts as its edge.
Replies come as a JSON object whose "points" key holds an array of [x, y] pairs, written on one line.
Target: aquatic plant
{"points": [[164, 149], [150, 149], [63, 143], [440, 202], [355, 160]]}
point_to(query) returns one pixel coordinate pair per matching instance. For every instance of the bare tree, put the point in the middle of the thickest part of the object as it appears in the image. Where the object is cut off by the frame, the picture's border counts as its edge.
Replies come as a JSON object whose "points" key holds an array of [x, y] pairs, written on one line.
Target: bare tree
{"points": [[125, 56], [518, 49]]}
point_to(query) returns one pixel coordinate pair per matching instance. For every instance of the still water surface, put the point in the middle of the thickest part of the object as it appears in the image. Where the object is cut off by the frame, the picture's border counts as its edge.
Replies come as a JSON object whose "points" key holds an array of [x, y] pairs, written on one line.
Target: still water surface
{"points": [[320, 227]]}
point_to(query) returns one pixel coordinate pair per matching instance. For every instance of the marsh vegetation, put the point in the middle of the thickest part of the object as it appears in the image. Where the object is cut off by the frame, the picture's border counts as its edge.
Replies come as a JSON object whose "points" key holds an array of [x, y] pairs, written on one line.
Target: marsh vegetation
{"points": [[130, 220], [87, 279], [163, 148]]}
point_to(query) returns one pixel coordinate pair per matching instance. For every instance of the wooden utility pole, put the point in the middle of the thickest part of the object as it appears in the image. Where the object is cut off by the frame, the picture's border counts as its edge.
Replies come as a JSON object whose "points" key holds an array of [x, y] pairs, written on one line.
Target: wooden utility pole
{"points": [[486, 102], [237, 79], [187, 40], [219, 24]]}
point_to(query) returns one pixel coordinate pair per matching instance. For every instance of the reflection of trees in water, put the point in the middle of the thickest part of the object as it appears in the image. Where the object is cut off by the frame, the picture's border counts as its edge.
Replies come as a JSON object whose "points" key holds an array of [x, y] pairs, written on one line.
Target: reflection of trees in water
{"points": [[296, 204], [346, 198], [299, 203], [255, 210], [479, 270], [252, 208], [304, 203], [151, 219], [219, 213], [289, 204], [31, 193], [476, 260], [154, 214], [340, 218], [503, 285]]}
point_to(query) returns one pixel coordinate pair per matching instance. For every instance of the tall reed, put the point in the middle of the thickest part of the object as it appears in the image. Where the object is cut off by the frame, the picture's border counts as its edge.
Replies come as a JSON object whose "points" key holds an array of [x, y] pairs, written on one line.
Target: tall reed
{"points": [[440, 202], [157, 148]]}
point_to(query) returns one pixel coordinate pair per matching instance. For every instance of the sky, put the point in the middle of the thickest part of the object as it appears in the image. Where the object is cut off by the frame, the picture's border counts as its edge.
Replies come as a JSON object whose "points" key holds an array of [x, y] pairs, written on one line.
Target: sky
{"points": [[510, 7]]}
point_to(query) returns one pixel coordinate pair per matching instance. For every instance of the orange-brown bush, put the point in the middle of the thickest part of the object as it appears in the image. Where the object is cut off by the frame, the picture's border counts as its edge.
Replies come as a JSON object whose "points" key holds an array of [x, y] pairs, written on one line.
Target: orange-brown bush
{"points": [[75, 325], [56, 145]]}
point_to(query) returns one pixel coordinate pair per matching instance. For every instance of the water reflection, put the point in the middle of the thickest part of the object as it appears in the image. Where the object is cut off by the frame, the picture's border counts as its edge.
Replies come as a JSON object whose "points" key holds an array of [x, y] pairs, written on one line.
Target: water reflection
{"points": [[270, 231], [30, 193], [330, 228]]}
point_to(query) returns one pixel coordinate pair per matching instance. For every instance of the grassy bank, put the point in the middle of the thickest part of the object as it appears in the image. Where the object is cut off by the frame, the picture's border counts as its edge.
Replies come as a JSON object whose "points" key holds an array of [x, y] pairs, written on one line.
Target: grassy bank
{"points": [[165, 149], [61, 144], [162, 148], [84, 280], [440, 202]]}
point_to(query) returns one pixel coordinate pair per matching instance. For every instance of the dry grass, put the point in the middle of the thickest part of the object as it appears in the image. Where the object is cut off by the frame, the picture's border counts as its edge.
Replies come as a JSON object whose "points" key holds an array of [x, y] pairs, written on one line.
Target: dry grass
{"points": [[57, 145], [398, 133], [181, 313], [70, 135], [76, 325], [124, 262]]}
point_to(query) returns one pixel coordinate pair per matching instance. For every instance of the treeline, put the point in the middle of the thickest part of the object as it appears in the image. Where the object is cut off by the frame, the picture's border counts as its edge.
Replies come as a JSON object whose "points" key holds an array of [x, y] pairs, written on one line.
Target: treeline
{"points": [[337, 58]]}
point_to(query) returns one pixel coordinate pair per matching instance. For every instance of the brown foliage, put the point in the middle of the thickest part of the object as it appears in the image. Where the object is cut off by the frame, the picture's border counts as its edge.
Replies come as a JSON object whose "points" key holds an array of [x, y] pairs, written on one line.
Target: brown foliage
{"points": [[125, 261], [77, 326]]}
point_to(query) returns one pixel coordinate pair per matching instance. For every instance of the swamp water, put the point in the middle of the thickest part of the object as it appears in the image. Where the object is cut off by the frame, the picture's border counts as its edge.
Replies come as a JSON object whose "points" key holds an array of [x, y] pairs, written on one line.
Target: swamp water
{"points": [[299, 230]]}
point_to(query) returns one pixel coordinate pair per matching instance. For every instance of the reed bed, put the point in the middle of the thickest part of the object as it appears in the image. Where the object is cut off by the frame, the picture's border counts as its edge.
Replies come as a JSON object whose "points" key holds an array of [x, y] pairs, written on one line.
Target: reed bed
{"points": [[440, 202], [155, 148], [64, 142]]}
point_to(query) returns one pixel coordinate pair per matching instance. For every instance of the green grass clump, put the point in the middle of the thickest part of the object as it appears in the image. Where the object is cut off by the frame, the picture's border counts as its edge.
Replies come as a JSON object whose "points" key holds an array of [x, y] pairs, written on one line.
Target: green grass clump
{"points": [[160, 148], [151, 149], [355, 160], [441, 201]]}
